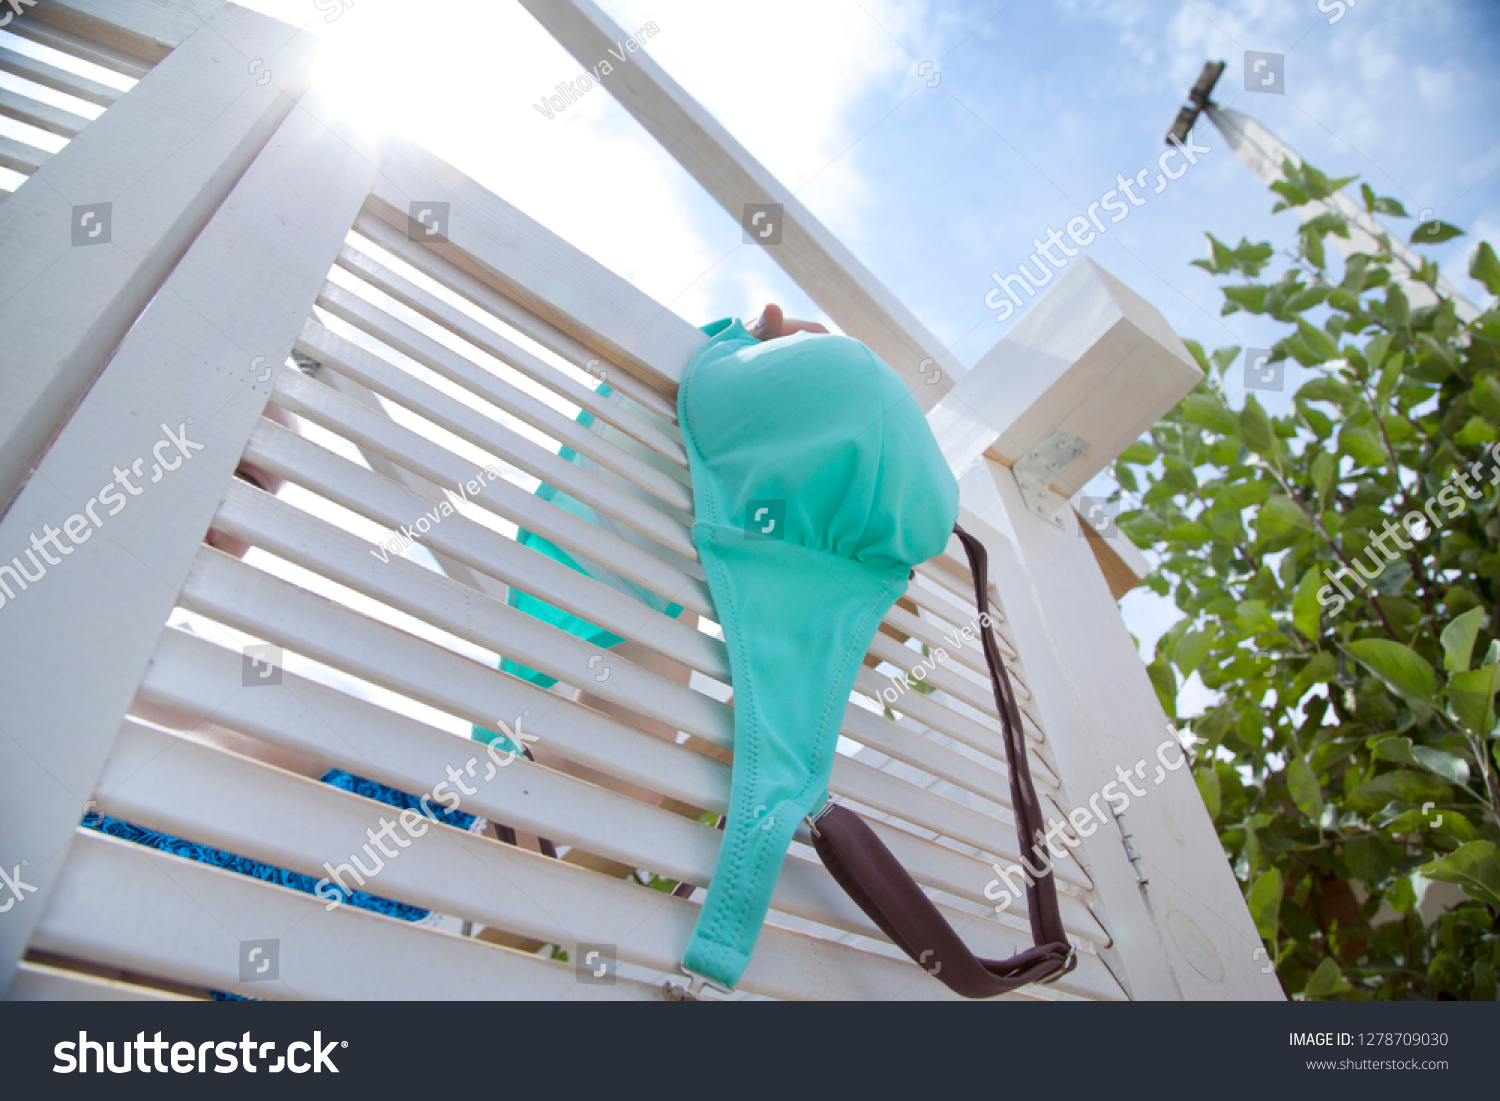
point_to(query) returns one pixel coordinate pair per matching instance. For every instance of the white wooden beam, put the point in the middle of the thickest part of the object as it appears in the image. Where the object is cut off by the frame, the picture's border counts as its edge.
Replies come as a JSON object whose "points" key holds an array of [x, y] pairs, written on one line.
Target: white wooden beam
{"points": [[815, 259], [77, 643], [165, 156], [1090, 357]]}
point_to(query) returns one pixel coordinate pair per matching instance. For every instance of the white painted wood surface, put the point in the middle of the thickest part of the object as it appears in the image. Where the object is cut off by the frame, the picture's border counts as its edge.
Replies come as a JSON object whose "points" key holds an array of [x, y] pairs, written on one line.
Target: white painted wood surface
{"points": [[147, 29], [165, 155], [190, 361], [815, 259]]}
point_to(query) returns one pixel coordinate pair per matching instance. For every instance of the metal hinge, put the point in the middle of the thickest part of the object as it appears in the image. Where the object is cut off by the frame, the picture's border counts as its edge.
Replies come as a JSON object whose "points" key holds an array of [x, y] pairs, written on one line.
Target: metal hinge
{"points": [[1041, 466], [1128, 839]]}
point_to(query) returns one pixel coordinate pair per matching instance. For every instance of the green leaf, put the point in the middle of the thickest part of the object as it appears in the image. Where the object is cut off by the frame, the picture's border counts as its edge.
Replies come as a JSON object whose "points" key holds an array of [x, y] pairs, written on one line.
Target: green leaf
{"points": [[1326, 980], [1208, 411], [1323, 667], [1400, 667], [1458, 639], [1250, 297], [1471, 696], [1165, 683], [1208, 787], [1323, 470], [1361, 445], [1486, 397], [1281, 516], [1255, 428], [1253, 616], [1140, 453], [1303, 787], [1485, 267], [1323, 346], [1307, 613], [1191, 649], [1265, 903], [1453, 769], [1474, 867], [1330, 390], [1475, 431], [1434, 233], [1402, 785]]}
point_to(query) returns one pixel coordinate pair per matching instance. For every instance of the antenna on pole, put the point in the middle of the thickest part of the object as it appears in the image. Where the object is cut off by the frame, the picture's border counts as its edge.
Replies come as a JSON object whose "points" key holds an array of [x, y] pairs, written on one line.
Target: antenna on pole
{"points": [[1197, 99]]}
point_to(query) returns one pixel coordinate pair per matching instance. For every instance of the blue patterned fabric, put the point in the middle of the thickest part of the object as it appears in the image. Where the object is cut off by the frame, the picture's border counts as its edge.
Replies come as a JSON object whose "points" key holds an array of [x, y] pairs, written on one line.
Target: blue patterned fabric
{"points": [[206, 854]]}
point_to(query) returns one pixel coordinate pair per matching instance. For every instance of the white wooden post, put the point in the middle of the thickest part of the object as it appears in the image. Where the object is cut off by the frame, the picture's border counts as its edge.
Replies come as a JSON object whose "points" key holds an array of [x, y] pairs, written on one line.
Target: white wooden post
{"points": [[819, 263], [162, 157], [1096, 362], [200, 362]]}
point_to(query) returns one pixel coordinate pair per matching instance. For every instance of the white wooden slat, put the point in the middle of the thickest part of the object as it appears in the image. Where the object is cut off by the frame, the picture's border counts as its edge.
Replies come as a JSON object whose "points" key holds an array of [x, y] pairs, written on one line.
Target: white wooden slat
{"points": [[492, 302], [383, 326], [298, 537], [375, 322], [814, 257], [288, 533], [966, 652], [20, 157], [186, 362], [487, 340], [59, 80], [970, 692], [400, 445], [258, 604], [165, 171], [44, 34], [203, 680], [265, 607], [36, 982], [148, 29], [345, 483], [424, 489], [175, 786], [43, 116], [181, 920], [496, 243]]}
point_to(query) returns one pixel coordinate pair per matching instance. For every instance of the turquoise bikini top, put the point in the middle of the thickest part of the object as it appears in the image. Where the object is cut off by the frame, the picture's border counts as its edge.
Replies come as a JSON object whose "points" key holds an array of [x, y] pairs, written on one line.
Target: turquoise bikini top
{"points": [[817, 487]]}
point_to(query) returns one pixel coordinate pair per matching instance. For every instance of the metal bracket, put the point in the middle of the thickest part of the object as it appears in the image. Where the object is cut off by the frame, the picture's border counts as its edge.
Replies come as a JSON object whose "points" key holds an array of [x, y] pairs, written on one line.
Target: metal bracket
{"points": [[1040, 467]]}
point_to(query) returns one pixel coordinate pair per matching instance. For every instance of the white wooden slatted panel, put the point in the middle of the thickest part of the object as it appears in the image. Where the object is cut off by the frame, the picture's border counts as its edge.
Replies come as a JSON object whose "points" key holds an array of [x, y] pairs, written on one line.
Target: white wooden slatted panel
{"points": [[20, 157], [182, 920], [498, 306], [341, 731], [248, 600], [173, 785], [486, 339], [474, 427]]}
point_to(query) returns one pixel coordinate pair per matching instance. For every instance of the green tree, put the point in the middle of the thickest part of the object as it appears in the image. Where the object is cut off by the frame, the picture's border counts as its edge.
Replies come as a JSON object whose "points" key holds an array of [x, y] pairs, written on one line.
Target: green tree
{"points": [[1353, 743]]}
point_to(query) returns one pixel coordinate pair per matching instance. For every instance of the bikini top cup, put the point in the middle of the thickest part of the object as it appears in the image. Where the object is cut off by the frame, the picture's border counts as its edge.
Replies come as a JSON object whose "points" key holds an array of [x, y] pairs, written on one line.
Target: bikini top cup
{"points": [[817, 487]]}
